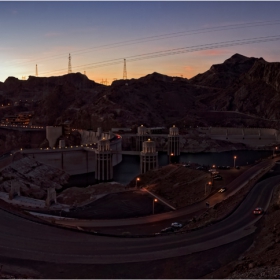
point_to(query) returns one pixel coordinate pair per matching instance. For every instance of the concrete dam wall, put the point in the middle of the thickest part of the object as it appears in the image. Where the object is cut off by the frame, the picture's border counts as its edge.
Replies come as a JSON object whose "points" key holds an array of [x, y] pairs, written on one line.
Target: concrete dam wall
{"points": [[252, 137], [74, 160]]}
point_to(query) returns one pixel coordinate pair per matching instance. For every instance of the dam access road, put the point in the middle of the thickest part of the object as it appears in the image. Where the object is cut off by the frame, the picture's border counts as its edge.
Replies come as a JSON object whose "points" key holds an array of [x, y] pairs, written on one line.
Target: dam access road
{"points": [[26, 240]]}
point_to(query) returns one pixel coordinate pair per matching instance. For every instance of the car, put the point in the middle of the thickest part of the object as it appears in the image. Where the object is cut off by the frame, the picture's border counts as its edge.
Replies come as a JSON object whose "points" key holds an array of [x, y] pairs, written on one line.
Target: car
{"points": [[176, 225], [237, 167], [222, 190], [212, 170], [258, 211], [166, 230], [218, 178]]}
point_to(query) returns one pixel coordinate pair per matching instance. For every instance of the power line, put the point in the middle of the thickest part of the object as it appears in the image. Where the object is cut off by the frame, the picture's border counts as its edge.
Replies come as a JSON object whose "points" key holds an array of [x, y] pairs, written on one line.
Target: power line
{"points": [[161, 37], [176, 51]]}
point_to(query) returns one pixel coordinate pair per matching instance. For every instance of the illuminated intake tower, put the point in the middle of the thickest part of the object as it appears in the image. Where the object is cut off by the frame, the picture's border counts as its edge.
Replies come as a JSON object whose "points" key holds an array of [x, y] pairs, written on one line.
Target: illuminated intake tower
{"points": [[103, 163], [173, 144], [141, 137], [148, 156]]}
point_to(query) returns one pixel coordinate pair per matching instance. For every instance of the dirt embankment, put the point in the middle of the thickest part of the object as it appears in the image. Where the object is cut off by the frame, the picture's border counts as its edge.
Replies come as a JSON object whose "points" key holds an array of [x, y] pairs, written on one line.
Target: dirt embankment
{"points": [[79, 196], [182, 186]]}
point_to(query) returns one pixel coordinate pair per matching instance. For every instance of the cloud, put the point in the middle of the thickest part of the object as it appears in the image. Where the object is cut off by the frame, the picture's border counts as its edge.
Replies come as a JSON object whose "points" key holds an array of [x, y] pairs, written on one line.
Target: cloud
{"points": [[19, 60], [214, 52], [52, 34], [189, 71], [188, 68]]}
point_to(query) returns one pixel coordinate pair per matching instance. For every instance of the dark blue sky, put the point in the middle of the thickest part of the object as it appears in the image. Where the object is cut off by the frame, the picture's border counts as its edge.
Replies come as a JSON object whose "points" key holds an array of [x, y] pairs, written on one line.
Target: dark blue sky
{"points": [[44, 33]]}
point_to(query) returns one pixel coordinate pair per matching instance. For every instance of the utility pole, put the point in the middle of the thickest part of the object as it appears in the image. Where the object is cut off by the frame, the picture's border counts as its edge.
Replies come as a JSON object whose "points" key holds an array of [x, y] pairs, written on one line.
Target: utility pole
{"points": [[124, 70], [69, 64]]}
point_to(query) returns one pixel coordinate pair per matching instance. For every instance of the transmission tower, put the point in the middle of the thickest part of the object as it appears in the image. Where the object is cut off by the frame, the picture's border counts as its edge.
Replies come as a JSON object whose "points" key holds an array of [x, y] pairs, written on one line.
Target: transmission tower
{"points": [[124, 71], [36, 73], [69, 65]]}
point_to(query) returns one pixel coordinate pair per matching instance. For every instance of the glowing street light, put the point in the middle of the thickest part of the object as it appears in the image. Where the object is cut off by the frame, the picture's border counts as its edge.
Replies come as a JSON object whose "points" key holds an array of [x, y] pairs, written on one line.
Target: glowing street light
{"points": [[137, 179], [209, 184], [170, 158], [276, 148], [234, 158], [154, 200]]}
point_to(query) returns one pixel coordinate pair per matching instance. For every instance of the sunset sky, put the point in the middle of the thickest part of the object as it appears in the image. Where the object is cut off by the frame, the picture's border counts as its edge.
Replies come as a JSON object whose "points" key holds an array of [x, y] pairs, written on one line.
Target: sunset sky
{"points": [[99, 35]]}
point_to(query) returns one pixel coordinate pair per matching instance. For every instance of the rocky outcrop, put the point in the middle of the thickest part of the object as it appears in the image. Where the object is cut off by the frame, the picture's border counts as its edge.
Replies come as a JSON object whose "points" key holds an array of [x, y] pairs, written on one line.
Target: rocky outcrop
{"points": [[34, 178], [223, 75], [14, 140]]}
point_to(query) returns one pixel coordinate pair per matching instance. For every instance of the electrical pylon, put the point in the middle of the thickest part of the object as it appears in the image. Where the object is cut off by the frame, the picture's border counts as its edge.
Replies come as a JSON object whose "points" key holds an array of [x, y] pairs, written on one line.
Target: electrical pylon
{"points": [[124, 70], [36, 71], [69, 64]]}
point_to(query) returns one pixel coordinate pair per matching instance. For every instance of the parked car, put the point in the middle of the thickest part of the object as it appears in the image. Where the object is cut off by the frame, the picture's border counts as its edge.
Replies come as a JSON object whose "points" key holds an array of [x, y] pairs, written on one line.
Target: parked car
{"points": [[176, 225], [258, 211], [168, 229], [218, 178], [212, 170], [222, 190], [199, 168]]}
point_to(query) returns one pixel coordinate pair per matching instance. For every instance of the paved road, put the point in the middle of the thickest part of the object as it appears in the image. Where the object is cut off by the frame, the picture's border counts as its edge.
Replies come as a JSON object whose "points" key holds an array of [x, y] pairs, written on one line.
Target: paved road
{"points": [[232, 188], [31, 241]]}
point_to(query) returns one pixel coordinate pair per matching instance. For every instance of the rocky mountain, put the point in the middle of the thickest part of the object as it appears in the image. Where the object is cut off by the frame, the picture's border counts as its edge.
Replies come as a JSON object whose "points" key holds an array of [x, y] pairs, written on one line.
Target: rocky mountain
{"points": [[240, 84], [247, 85]]}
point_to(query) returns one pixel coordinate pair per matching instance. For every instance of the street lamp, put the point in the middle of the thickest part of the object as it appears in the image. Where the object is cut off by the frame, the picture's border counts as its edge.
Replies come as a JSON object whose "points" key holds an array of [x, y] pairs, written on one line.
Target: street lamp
{"points": [[234, 158], [276, 148], [154, 200], [137, 179], [170, 158], [209, 184]]}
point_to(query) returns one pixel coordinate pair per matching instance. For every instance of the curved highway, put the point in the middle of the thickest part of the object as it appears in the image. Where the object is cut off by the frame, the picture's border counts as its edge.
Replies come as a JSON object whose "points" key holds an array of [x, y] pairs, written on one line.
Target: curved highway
{"points": [[232, 188], [31, 241]]}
